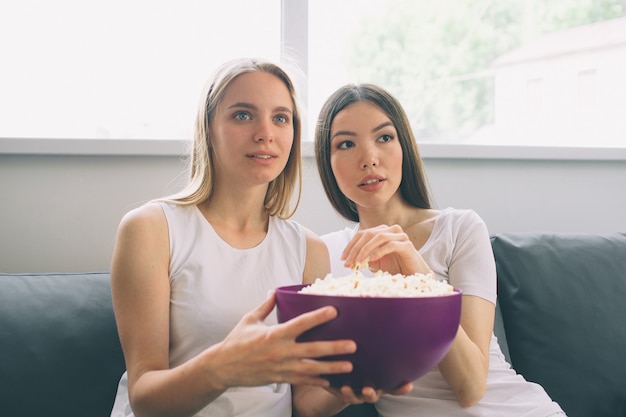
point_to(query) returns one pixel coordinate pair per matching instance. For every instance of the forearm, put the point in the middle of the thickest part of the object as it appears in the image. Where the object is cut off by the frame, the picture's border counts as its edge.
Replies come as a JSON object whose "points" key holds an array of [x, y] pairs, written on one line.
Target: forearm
{"points": [[180, 391], [310, 401], [465, 368]]}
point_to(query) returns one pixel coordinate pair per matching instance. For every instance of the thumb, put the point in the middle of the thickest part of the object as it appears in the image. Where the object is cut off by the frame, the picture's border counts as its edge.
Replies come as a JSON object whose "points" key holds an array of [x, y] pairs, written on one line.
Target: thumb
{"points": [[263, 310]]}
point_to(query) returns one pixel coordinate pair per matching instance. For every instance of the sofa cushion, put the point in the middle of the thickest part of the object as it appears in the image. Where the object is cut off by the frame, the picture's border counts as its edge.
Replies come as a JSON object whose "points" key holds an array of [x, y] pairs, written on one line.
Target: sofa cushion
{"points": [[61, 354], [563, 302]]}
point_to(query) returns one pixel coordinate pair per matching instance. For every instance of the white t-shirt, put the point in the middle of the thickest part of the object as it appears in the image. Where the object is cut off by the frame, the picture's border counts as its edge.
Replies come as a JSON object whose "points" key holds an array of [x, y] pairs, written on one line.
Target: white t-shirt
{"points": [[212, 286], [458, 250]]}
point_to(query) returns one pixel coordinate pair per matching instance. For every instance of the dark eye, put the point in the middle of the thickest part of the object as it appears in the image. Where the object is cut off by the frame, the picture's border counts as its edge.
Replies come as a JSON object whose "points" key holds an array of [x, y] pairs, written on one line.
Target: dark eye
{"points": [[242, 115], [345, 144], [385, 138]]}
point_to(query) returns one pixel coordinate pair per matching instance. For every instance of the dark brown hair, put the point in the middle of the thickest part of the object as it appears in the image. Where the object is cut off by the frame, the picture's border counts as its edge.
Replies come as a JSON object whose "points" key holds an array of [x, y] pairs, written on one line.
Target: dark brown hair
{"points": [[413, 186]]}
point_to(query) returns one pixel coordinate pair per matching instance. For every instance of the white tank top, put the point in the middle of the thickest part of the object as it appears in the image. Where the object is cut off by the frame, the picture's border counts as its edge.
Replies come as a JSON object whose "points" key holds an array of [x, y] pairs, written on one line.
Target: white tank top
{"points": [[212, 286]]}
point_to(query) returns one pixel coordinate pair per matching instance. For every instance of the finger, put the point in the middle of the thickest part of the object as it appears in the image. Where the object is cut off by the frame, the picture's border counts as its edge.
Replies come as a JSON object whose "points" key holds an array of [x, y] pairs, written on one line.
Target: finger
{"points": [[320, 349], [403, 248], [315, 349], [349, 396], [263, 310], [354, 250], [366, 241], [401, 256], [306, 379], [402, 390], [306, 321], [317, 367], [370, 395], [347, 255]]}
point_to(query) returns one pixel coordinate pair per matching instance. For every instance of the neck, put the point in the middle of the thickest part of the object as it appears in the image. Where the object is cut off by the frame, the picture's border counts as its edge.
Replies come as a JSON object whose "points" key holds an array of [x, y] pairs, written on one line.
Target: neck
{"points": [[240, 209], [241, 224], [394, 212]]}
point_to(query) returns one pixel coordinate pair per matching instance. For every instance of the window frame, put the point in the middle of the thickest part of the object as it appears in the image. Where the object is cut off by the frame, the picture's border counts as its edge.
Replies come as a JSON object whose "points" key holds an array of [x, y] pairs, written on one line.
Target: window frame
{"points": [[178, 147]]}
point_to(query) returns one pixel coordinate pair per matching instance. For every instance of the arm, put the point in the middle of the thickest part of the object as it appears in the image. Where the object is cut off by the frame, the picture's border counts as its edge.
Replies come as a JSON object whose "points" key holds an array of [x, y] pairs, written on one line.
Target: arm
{"points": [[252, 354], [466, 364], [141, 296], [140, 288], [472, 268]]}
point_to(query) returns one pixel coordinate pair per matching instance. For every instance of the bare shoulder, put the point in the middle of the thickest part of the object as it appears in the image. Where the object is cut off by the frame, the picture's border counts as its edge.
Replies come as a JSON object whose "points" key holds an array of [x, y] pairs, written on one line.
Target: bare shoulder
{"points": [[142, 239], [143, 216], [314, 243], [311, 237], [143, 225], [317, 258]]}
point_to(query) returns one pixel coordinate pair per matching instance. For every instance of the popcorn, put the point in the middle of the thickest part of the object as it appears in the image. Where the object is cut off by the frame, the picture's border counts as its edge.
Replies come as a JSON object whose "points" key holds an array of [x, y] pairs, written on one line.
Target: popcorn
{"points": [[381, 284], [361, 265]]}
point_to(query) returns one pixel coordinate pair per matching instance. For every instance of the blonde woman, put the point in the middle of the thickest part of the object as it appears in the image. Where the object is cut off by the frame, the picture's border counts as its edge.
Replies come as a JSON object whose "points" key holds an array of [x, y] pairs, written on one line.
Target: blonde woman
{"points": [[191, 273]]}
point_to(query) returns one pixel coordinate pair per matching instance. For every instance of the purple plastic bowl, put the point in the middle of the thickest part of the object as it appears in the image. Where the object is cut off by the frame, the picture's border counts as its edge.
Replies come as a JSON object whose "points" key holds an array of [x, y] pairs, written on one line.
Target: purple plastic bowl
{"points": [[398, 339]]}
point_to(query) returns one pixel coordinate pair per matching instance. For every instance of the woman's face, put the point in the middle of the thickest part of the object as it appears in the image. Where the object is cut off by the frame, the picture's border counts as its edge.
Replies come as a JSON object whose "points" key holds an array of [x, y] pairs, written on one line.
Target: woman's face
{"points": [[252, 130], [365, 155]]}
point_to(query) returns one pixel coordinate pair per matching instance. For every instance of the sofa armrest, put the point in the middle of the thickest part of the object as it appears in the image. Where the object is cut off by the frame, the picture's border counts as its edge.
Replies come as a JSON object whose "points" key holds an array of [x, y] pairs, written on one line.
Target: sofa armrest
{"points": [[61, 354]]}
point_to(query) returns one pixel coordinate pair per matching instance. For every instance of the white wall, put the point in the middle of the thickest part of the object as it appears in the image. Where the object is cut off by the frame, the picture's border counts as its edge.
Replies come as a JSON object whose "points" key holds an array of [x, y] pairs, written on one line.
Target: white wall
{"points": [[59, 213], [512, 195]]}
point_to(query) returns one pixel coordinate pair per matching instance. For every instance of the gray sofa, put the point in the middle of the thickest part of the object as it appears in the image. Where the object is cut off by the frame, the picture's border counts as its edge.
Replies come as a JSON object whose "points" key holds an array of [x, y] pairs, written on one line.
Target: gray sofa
{"points": [[560, 321]]}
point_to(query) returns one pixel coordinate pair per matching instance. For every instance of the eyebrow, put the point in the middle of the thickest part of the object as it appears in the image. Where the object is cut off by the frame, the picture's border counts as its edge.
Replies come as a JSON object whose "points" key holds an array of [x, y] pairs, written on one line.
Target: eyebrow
{"points": [[253, 107], [350, 133]]}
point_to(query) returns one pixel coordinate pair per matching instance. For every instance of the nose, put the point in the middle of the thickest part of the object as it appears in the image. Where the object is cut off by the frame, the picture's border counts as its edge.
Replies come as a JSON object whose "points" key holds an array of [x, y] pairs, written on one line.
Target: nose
{"points": [[264, 132], [369, 159], [371, 163]]}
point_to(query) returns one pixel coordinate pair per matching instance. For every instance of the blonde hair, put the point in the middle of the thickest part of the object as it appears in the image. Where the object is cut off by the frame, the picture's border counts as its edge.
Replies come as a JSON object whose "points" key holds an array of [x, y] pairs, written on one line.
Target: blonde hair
{"points": [[200, 159]]}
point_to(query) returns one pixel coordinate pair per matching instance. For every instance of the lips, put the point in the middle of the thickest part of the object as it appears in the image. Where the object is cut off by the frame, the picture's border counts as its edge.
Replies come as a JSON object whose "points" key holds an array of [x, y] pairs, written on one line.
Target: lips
{"points": [[370, 180]]}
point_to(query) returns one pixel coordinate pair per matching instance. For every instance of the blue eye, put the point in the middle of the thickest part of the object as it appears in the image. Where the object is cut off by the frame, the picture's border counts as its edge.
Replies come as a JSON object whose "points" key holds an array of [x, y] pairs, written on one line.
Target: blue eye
{"points": [[281, 119], [385, 138], [242, 116]]}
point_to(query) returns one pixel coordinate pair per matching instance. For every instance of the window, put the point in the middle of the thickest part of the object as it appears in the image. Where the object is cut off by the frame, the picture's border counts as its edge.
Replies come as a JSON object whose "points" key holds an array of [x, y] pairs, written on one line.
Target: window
{"points": [[122, 69], [497, 72]]}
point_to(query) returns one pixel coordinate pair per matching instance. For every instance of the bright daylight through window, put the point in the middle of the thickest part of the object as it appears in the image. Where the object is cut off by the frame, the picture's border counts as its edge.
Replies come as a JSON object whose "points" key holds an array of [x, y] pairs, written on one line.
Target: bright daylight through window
{"points": [[120, 69], [499, 72]]}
